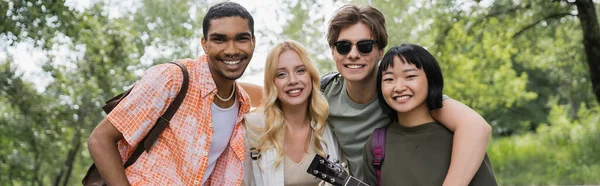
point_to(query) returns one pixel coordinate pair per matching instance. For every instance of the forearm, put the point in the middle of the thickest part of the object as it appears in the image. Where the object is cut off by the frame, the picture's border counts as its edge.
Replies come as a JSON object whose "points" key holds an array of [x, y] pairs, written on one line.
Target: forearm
{"points": [[468, 150], [107, 160], [471, 136]]}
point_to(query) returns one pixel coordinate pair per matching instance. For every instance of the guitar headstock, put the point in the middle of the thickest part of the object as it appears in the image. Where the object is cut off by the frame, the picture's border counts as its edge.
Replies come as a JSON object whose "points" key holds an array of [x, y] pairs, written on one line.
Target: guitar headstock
{"points": [[328, 171]]}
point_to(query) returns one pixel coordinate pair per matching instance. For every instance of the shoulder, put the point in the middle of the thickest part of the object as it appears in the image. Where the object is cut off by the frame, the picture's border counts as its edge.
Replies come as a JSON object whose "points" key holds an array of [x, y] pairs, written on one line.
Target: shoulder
{"points": [[254, 122], [162, 78], [255, 118], [332, 84], [330, 75], [327, 79], [169, 71]]}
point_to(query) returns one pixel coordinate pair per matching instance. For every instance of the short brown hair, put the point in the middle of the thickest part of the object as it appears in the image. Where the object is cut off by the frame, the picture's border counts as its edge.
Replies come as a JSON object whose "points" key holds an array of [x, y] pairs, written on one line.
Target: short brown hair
{"points": [[349, 15]]}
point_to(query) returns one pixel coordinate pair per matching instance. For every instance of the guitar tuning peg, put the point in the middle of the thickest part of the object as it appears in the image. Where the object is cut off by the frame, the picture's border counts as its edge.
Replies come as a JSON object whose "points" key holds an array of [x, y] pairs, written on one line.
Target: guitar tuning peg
{"points": [[315, 171], [327, 156], [344, 165], [337, 161], [323, 176], [332, 180]]}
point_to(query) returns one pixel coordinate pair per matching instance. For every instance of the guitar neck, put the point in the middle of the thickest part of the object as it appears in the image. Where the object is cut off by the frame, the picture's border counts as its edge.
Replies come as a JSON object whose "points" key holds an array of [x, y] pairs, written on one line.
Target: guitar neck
{"points": [[352, 181]]}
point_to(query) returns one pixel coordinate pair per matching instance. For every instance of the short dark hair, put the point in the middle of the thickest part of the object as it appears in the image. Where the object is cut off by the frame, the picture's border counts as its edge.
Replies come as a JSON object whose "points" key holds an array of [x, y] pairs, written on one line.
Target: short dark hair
{"points": [[226, 9], [422, 59], [349, 15]]}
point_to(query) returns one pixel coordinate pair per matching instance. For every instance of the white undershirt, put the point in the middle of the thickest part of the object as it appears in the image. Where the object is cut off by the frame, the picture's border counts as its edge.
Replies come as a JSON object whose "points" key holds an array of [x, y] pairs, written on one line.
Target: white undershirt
{"points": [[223, 122]]}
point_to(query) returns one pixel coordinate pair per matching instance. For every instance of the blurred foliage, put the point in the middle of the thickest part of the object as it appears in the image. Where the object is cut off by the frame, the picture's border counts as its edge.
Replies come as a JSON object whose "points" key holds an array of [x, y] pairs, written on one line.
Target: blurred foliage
{"points": [[46, 132], [561, 152], [521, 65], [305, 24]]}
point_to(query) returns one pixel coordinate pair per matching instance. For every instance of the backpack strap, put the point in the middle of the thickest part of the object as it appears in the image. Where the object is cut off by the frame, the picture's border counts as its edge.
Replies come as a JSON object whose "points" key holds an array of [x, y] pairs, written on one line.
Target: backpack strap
{"points": [[253, 121], [163, 120], [378, 150], [327, 78]]}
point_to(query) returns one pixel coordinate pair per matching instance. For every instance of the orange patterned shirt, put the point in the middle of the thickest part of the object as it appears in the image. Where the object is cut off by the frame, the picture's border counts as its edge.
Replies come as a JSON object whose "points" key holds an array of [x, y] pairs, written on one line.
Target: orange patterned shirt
{"points": [[180, 155]]}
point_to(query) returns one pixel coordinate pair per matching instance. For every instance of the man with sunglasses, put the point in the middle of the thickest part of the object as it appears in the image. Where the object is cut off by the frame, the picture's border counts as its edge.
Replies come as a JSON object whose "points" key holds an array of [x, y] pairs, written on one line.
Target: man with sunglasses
{"points": [[357, 37]]}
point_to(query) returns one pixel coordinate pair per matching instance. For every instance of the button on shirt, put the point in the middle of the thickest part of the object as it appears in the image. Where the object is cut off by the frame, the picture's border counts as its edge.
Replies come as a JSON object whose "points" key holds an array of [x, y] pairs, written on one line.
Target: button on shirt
{"points": [[180, 155]]}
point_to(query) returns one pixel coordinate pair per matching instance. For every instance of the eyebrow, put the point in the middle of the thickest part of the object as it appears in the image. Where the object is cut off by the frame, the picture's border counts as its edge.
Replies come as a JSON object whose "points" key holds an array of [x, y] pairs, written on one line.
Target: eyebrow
{"points": [[407, 70], [244, 34], [217, 35], [296, 67]]}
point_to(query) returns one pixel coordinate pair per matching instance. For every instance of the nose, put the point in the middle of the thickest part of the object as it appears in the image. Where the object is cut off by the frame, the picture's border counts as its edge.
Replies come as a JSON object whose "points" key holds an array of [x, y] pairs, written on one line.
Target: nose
{"points": [[231, 49], [400, 86], [353, 54], [292, 79]]}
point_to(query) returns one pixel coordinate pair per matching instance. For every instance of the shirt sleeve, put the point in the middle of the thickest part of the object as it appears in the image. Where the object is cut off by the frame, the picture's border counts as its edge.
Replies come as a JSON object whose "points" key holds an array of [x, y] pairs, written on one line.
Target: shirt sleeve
{"points": [[137, 113]]}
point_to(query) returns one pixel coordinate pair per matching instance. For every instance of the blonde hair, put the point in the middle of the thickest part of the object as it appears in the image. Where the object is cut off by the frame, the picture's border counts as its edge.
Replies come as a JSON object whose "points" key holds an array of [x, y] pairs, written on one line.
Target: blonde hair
{"points": [[275, 125]]}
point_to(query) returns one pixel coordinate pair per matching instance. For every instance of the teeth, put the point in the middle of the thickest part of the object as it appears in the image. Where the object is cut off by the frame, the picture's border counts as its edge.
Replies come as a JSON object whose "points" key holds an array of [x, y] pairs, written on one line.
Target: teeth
{"points": [[402, 98], [354, 66], [232, 62], [293, 91]]}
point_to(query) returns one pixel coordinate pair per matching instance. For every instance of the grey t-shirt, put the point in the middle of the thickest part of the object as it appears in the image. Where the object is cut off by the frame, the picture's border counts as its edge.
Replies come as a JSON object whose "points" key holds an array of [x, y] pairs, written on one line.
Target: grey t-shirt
{"points": [[352, 123]]}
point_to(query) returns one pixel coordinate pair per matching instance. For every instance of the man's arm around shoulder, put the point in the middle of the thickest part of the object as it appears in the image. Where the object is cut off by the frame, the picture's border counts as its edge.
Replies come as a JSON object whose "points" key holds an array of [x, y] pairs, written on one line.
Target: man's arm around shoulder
{"points": [[102, 145], [471, 135], [255, 92]]}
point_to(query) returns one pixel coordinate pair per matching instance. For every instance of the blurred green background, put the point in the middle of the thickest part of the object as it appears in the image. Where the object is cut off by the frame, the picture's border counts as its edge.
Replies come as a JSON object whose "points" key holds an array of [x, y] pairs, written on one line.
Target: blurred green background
{"points": [[522, 65]]}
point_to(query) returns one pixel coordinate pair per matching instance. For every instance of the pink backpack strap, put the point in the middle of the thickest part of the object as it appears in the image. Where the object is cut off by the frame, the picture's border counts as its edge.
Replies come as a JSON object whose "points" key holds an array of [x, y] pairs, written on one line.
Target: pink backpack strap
{"points": [[378, 149]]}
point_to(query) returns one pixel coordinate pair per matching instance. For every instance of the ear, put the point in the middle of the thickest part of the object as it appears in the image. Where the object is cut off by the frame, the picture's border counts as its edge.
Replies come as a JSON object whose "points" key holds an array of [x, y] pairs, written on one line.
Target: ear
{"points": [[380, 54], [253, 41], [204, 46], [332, 51]]}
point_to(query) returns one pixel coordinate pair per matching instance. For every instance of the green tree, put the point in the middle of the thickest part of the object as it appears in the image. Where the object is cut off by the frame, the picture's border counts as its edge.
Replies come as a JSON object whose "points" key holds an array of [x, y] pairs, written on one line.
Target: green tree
{"points": [[47, 131], [304, 24]]}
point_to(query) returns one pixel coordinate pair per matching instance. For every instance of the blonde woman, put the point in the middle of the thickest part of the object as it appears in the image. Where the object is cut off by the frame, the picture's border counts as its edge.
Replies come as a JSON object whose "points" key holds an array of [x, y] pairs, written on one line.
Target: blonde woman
{"points": [[288, 129]]}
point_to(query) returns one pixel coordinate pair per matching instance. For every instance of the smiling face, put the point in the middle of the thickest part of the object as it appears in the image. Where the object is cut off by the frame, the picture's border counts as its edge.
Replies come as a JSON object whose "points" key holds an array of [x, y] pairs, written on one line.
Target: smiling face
{"points": [[292, 80], [356, 66], [229, 46], [404, 87]]}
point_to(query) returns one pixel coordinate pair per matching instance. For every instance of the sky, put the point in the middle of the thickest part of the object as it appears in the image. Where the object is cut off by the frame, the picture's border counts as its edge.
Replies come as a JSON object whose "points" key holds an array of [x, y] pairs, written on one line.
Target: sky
{"points": [[30, 59]]}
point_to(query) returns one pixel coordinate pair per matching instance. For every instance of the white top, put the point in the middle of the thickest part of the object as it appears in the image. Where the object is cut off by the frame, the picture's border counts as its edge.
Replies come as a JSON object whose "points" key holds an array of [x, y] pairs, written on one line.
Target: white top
{"points": [[295, 174], [263, 171], [223, 122]]}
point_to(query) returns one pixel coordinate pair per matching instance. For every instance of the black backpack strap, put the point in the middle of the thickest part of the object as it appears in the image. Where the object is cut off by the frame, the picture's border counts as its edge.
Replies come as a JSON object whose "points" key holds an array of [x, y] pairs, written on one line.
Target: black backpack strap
{"points": [[163, 120], [327, 78]]}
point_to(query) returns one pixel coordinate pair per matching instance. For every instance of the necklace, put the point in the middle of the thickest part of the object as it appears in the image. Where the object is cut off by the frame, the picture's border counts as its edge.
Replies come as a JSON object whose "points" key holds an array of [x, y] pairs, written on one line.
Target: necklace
{"points": [[230, 96]]}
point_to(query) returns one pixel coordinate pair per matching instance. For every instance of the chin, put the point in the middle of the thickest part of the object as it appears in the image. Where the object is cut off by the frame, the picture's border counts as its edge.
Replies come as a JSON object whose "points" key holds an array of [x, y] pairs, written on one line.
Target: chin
{"points": [[233, 76], [403, 109], [354, 77]]}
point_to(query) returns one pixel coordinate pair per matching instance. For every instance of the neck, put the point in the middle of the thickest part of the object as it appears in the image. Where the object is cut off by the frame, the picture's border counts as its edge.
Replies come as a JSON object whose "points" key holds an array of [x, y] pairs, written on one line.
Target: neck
{"points": [[296, 116], [415, 117], [356, 90], [224, 90]]}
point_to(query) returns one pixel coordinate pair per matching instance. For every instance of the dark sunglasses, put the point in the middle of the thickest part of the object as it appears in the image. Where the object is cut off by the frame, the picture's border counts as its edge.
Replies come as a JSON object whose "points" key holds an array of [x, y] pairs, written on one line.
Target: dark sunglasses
{"points": [[363, 46]]}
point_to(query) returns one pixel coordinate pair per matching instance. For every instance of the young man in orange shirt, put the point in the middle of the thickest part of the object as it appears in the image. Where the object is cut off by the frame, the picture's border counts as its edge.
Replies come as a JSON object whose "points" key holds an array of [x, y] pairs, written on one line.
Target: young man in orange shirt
{"points": [[203, 143]]}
